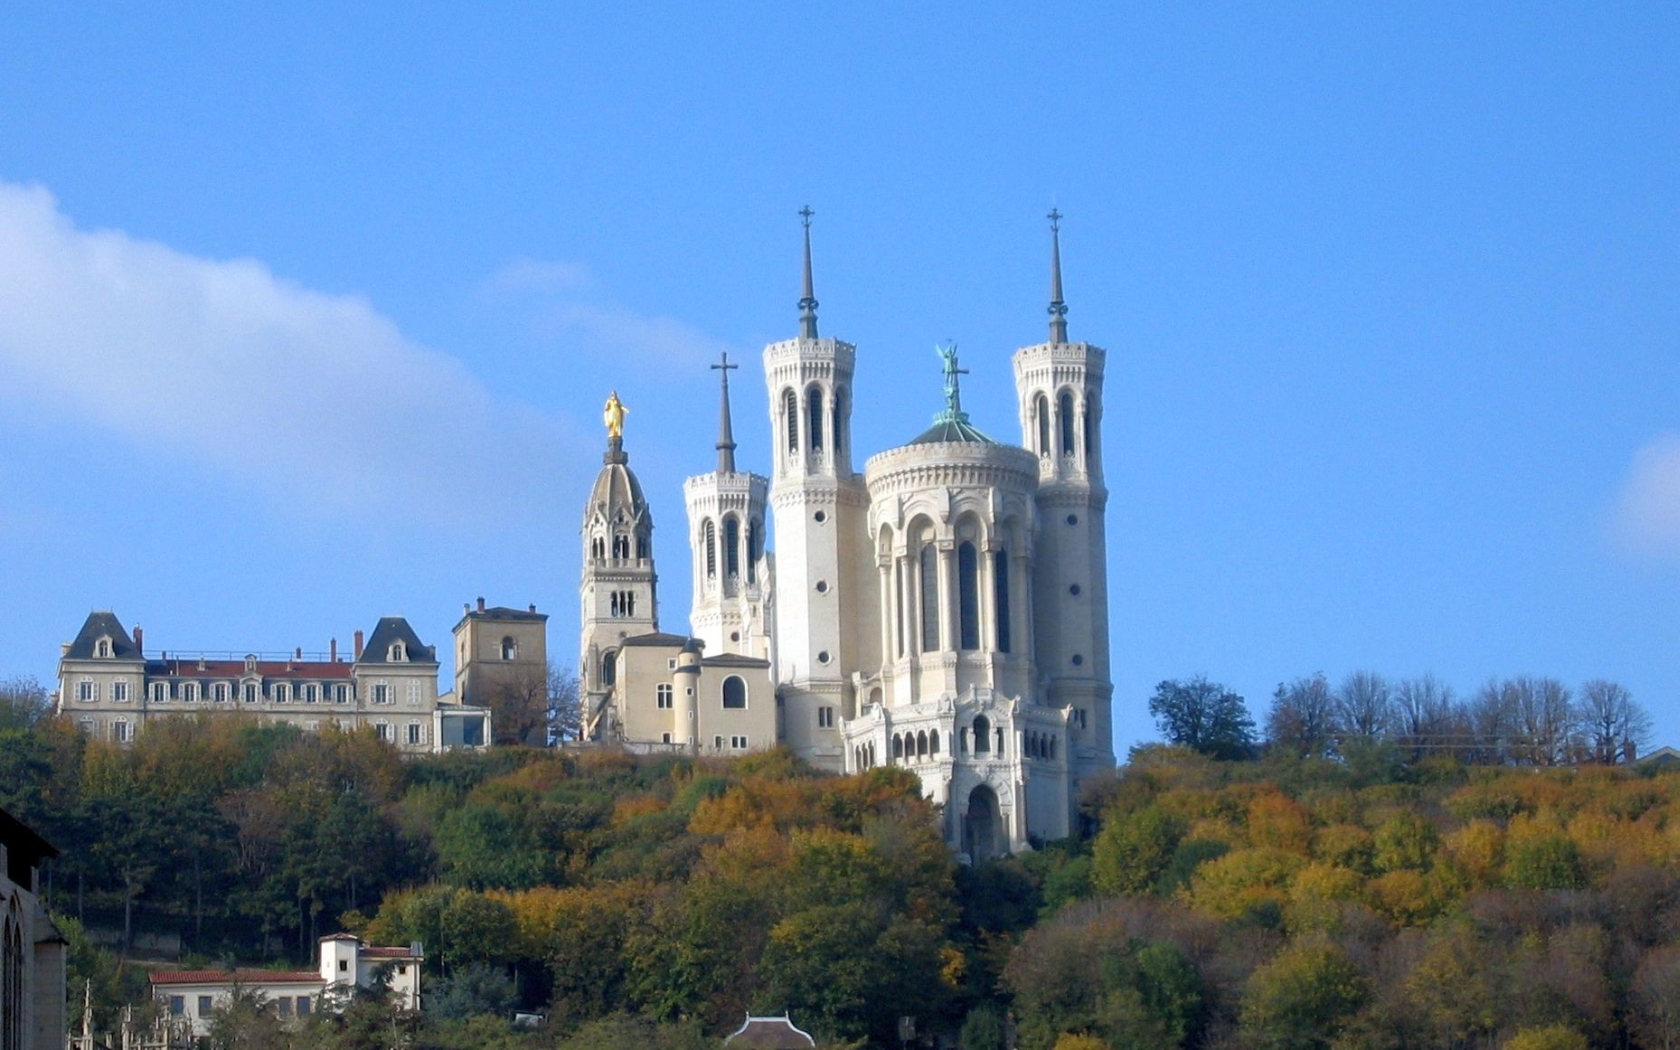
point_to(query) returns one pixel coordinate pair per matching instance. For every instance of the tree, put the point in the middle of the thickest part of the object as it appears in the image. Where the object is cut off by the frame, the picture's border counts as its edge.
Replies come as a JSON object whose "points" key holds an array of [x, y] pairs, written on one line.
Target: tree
{"points": [[1363, 702], [1428, 717], [565, 713], [1614, 726], [1656, 1000], [1204, 716], [1303, 997], [518, 702], [24, 703], [1132, 850], [1303, 717], [1550, 1037]]}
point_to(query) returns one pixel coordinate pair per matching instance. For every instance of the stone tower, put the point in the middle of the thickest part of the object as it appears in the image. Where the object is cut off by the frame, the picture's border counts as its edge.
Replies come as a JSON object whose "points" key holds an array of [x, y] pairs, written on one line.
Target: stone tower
{"points": [[824, 614], [619, 586], [1059, 387], [731, 609]]}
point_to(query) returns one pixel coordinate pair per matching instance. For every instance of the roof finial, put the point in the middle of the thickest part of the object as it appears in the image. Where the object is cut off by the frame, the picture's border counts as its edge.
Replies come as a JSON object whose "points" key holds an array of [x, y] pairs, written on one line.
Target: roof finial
{"points": [[726, 433], [1058, 308], [807, 304], [612, 414]]}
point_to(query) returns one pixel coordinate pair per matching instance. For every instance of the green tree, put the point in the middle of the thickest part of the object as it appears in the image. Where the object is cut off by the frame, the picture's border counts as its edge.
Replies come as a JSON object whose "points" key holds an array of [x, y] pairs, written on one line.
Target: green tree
{"points": [[1132, 851], [1302, 997], [982, 1029], [1551, 1037], [1204, 716]]}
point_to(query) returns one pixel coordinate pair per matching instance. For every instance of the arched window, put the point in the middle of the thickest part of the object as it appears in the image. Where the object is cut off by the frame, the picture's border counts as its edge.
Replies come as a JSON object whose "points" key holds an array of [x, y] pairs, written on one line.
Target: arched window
{"points": [[898, 604], [814, 412], [968, 596], [1052, 749], [710, 541], [734, 692], [752, 552], [982, 735], [1064, 410], [597, 548], [732, 546], [999, 732], [609, 667], [642, 545], [1090, 421], [930, 598], [921, 744], [837, 421], [1000, 598], [1041, 417], [933, 742], [510, 648], [621, 546], [898, 746], [790, 410]]}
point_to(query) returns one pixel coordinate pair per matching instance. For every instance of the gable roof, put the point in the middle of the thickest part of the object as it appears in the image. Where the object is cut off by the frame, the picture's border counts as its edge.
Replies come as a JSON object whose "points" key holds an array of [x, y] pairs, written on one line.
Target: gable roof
{"points": [[389, 631], [99, 625]]}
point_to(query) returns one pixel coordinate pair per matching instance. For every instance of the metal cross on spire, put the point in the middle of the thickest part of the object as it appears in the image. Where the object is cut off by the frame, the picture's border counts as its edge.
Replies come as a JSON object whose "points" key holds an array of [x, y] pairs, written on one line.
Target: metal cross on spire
{"points": [[1058, 308], [953, 392], [726, 432], [808, 303]]}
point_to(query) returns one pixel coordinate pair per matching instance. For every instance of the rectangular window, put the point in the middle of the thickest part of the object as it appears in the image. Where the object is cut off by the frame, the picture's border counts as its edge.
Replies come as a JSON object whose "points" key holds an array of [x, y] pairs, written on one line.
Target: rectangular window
{"points": [[88, 726], [739, 743], [250, 692], [664, 738], [663, 695], [343, 965], [177, 1005], [414, 734], [413, 693], [312, 726], [119, 731], [825, 718], [189, 692], [341, 694], [382, 730], [283, 1005], [381, 693], [303, 1005], [119, 690], [717, 742], [282, 692], [205, 1005], [160, 692], [309, 694], [87, 690], [220, 692]]}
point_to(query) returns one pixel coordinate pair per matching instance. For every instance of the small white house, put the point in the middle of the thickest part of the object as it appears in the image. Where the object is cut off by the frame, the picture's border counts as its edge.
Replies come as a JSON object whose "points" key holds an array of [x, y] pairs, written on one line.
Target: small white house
{"points": [[346, 962]]}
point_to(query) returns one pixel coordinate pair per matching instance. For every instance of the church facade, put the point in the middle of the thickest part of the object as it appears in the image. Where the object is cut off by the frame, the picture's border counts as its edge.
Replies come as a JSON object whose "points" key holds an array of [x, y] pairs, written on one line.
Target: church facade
{"points": [[944, 609]]}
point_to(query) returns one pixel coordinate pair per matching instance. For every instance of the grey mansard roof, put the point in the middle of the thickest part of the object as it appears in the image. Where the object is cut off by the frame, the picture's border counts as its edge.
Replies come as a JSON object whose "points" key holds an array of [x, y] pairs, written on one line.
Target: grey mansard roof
{"points": [[100, 625], [390, 630]]}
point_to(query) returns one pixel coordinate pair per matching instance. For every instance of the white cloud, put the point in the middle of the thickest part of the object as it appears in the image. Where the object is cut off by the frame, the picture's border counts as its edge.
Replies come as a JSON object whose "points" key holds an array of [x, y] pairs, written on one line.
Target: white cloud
{"points": [[224, 363], [558, 301], [1647, 516]]}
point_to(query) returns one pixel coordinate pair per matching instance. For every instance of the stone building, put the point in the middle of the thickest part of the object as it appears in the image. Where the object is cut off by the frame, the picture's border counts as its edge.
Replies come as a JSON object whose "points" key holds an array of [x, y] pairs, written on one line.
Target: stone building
{"points": [[501, 661], [32, 950], [945, 608], [110, 687]]}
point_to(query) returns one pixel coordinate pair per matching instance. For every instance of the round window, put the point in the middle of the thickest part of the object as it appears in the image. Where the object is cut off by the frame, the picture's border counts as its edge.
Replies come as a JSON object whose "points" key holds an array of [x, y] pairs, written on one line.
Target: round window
{"points": [[1078, 660], [822, 657], [820, 516], [1074, 590], [734, 636], [1073, 519], [822, 586]]}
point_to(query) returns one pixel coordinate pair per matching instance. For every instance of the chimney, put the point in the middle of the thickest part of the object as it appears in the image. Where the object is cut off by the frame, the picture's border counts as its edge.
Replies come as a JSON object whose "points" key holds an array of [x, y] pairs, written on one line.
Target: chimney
{"points": [[139, 640], [466, 608], [332, 650], [481, 605], [299, 653], [357, 651], [533, 606]]}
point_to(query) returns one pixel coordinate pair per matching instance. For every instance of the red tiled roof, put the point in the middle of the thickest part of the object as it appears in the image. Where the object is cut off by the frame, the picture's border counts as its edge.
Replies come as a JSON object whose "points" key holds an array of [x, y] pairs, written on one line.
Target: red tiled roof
{"points": [[187, 667], [228, 977], [389, 953]]}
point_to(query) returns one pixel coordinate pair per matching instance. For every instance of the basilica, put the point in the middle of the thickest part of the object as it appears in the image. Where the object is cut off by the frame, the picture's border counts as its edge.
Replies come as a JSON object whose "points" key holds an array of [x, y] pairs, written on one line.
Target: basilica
{"points": [[943, 609]]}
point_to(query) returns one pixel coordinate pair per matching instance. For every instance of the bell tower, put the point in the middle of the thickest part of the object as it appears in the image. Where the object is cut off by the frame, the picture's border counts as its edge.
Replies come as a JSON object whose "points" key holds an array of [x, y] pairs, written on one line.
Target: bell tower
{"points": [[1059, 385], [726, 520], [619, 586], [824, 611]]}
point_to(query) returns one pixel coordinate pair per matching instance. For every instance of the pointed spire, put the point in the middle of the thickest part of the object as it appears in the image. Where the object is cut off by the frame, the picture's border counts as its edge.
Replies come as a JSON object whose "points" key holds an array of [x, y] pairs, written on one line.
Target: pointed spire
{"points": [[1058, 308], [807, 304], [726, 432]]}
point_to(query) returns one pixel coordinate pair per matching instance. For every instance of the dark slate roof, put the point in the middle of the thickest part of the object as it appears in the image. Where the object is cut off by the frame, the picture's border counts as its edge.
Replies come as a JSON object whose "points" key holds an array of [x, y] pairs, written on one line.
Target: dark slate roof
{"points": [[502, 612], [770, 1033], [97, 626], [24, 850], [187, 667], [733, 660], [392, 629], [657, 638], [949, 429]]}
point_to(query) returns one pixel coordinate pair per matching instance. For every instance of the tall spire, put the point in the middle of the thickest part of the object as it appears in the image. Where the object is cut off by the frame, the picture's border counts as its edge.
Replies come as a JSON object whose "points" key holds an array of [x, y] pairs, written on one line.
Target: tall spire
{"points": [[726, 432], [807, 304], [1058, 308]]}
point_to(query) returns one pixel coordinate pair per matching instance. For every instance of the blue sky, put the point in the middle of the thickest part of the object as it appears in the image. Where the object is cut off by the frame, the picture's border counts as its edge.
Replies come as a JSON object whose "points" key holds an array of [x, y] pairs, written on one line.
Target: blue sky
{"points": [[306, 315]]}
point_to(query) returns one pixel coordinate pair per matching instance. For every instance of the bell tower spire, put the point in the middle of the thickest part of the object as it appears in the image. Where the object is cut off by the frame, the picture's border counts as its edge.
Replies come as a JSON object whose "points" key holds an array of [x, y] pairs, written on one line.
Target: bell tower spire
{"points": [[1058, 308], [808, 302], [726, 432]]}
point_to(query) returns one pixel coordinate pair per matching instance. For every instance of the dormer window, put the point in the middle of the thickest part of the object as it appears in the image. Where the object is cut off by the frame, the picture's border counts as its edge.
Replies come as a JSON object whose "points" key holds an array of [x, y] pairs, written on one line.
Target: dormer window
{"points": [[102, 648], [250, 665], [397, 655]]}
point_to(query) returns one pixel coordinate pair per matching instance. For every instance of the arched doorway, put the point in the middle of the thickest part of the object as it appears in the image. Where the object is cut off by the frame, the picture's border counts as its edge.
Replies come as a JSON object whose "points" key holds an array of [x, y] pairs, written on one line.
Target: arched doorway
{"points": [[981, 837]]}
